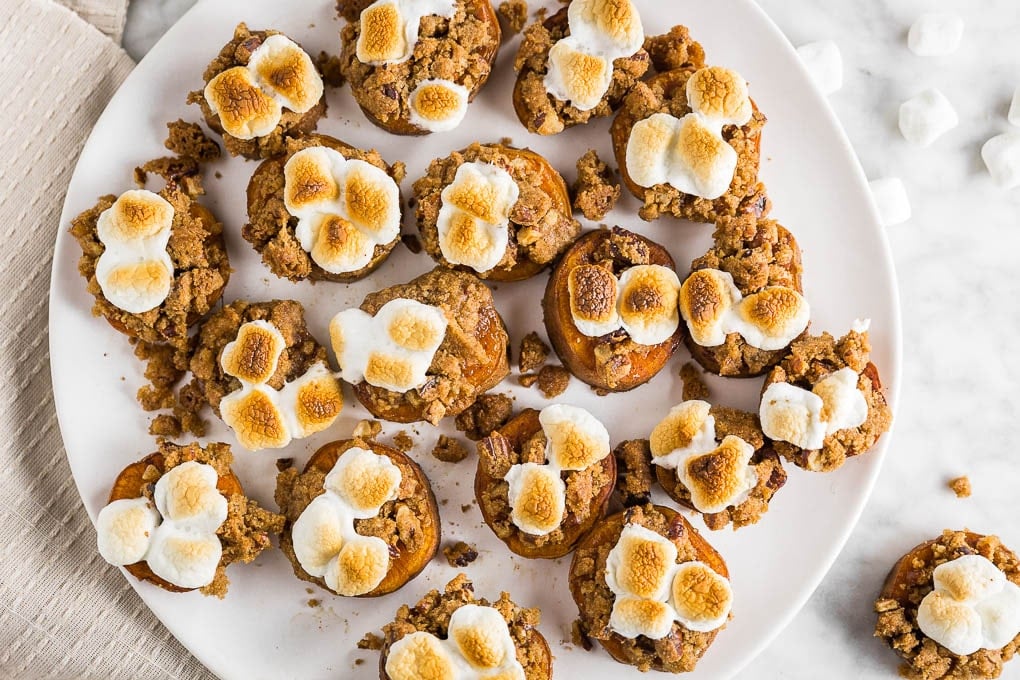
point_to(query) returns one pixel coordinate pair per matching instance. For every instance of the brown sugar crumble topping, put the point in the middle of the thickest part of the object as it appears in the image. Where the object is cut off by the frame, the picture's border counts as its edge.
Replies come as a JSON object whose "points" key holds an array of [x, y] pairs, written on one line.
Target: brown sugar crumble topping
{"points": [[460, 554], [514, 13], [490, 412], [596, 190], [553, 381], [188, 139], [449, 450], [533, 354], [961, 486]]}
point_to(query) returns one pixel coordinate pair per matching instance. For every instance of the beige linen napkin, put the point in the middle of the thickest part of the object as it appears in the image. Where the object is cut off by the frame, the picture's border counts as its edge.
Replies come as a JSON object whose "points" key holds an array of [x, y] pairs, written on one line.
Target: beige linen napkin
{"points": [[64, 613]]}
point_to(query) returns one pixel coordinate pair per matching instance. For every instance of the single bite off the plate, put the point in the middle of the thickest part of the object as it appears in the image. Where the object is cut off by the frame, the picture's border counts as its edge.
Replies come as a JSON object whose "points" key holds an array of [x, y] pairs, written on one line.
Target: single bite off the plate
{"points": [[501, 213], [452, 634], [650, 589], [743, 302], [951, 608], [578, 64], [414, 66], [361, 518], [179, 517], [156, 263], [264, 374], [687, 142], [324, 210], [544, 479], [261, 89], [422, 350], [716, 461], [611, 311], [823, 403]]}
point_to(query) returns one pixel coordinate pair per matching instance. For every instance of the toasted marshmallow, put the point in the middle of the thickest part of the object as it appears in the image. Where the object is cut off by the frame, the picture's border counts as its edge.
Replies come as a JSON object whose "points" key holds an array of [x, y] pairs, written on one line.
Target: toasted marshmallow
{"points": [[633, 616], [1000, 617], [389, 28], [286, 71], [610, 27], [969, 578], [647, 149], [537, 498], [482, 637], [891, 200], [372, 201], [593, 291], [335, 244], [318, 534], [791, 414], [351, 333], [702, 163], [312, 402], [310, 182], [1001, 155], [824, 63], [125, 528], [720, 95], [701, 597], [244, 109], [438, 105], [772, 318], [576, 76], [648, 303], [394, 372], [707, 299], [134, 286], [254, 356], [420, 656], [360, 567], [927, 117], [466, 240], [187, 494], [185, 558], [954, 625], [137, 215], [413, 326], [254, 415], [364, 480], [641, 564], [474, 218], [688, 429], [935, 34], [512, 672], [843, 405], [576, 438], [721, 478]]}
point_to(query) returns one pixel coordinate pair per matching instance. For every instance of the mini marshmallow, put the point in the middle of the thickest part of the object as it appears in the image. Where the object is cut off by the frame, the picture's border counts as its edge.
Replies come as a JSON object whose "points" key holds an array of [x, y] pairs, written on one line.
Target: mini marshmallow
{"points": [[312, 402], [713, 307], [701, 597], [318, 534], [537, 497], [187, 494], [286, 71], [413, 326], [593, 297], [1014, 108], [136, 216], [843, 405], [954, 625], [935, 34], [371, 201], [721, 478], [969, 579], [420, 656], [891, 200], [641, 564], [473, 222], [335, 244], [824, 64], [245, 111], [1002, 158], [688, 429], [125, 528], [256, 418], [1000, 616], [791, 414], [926, 117], [647, 149], [365, 481], [482, 637], [648, 303], [310, 182], [254, 356], [633, 616], [135, 287], [185, 558], [576, 438], [720, 95], [702, 163], [611, 27], [438, 105], [389, 28], [360, 567], [576, 76]]}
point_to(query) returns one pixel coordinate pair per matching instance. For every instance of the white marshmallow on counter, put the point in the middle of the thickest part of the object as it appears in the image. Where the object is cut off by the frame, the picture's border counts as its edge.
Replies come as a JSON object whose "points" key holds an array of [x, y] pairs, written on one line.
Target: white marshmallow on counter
{"points": [[891, 200], [935, 34], [1002, 158], [824, 63], [926, 117]]}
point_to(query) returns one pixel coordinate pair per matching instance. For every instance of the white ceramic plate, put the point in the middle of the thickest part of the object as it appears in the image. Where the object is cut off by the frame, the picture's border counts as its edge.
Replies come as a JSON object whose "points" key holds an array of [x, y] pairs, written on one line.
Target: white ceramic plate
{"points": [[265, 627]]}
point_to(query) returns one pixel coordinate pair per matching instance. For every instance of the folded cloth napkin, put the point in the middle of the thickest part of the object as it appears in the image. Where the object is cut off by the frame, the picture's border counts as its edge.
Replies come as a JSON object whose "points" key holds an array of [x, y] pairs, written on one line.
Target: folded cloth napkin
{"points": [[64, 613]]}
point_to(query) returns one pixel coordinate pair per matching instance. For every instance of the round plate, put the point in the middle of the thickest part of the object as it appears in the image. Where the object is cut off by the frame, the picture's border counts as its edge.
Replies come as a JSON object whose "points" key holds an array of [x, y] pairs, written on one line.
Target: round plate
{"points": [[267, 627]]}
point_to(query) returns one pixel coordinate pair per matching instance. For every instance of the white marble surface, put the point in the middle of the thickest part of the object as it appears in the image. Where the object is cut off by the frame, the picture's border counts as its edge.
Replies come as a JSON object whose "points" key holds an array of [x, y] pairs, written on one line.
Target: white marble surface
{"points": [[958, 281]]}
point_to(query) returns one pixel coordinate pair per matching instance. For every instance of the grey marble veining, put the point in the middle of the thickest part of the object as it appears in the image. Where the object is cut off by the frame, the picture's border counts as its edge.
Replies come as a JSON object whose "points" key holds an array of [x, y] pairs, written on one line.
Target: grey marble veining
{"points": [[959, 282]]}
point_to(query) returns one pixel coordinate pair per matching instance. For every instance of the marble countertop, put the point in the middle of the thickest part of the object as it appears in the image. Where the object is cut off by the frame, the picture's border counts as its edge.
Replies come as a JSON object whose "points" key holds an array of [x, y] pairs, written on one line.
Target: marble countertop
{"points": [[954, 260]]}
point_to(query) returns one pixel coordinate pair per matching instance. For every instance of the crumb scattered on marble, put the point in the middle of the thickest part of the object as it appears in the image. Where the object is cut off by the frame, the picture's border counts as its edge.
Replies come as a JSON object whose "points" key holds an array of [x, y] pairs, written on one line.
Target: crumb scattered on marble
{"points": [[313, 603], [449, 450], [528, 380], [961, 486], [371, 641], [367, 430], [533, 353], [514, 13], [489, 412], [460, 554], [553, 381], [403, 442]]}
